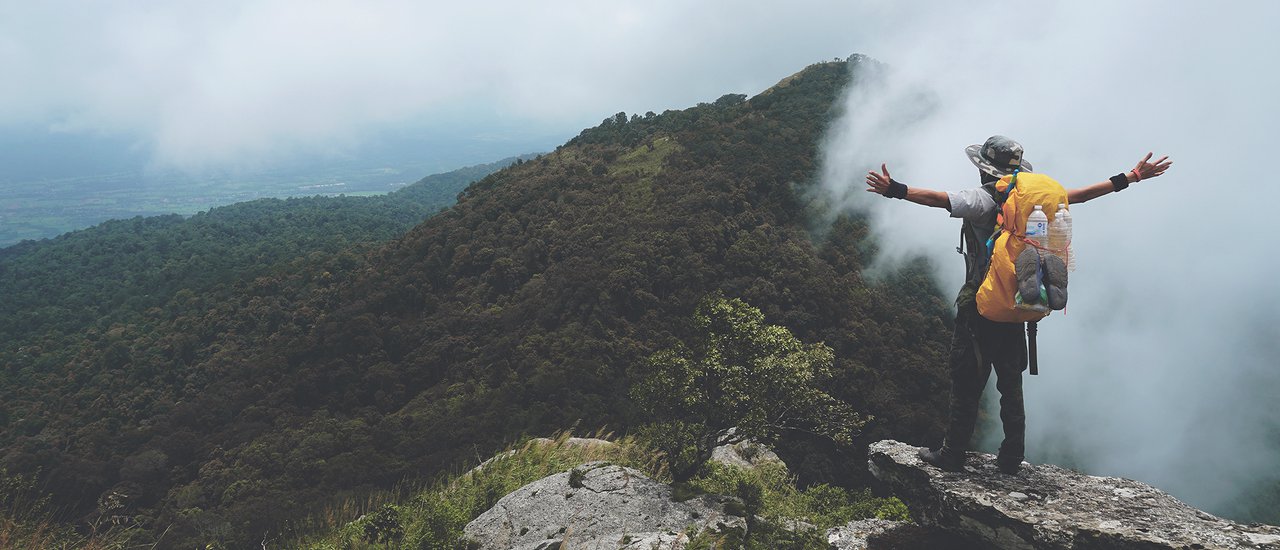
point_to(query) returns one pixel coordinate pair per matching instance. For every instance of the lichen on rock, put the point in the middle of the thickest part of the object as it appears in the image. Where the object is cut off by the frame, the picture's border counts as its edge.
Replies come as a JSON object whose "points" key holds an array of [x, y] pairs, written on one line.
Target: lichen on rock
{"points": [[1048, 507]]}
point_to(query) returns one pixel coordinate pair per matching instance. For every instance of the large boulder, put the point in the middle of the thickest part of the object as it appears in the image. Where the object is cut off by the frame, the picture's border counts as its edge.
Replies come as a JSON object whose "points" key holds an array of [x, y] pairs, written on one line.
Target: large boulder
{"points": [[596, 505], [1047, 507]]}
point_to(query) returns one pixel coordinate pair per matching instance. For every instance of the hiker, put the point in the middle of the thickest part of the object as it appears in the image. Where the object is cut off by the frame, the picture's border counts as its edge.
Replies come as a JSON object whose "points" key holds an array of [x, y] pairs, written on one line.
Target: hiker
{"points": [[978, 344]]}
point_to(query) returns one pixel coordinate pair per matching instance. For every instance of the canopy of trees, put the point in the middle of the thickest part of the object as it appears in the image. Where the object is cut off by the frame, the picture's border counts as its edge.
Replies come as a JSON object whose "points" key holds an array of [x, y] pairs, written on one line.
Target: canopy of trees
{"points": [[224, 409]]}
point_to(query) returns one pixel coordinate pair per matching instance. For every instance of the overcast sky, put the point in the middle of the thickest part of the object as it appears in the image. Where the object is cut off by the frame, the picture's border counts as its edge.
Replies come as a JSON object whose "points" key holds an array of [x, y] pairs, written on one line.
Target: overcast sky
{"points": [[1165, 368], [199, 83]]}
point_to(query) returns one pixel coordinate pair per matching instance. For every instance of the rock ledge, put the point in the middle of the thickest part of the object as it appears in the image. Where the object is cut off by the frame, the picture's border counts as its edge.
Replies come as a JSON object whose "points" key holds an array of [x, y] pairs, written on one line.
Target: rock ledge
{"points": [[1047, 507]]}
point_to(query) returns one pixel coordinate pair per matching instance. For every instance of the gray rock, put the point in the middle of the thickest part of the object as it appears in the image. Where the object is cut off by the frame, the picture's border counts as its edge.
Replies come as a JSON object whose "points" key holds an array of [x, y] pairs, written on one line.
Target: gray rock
{"points": [[881, 534], [1047, 507], [745, 454], [854, 535], [600, 506]]}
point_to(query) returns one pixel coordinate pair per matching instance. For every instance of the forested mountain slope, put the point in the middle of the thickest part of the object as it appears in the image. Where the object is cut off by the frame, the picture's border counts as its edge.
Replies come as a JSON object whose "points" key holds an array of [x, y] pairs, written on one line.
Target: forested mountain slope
{"points": [[523, 309], [121, 268]]}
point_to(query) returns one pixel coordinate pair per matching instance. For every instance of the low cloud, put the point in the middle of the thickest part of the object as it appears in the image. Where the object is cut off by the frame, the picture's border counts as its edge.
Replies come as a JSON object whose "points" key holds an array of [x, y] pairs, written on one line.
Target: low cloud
{"points": [[1164, 367], [210, 84]]}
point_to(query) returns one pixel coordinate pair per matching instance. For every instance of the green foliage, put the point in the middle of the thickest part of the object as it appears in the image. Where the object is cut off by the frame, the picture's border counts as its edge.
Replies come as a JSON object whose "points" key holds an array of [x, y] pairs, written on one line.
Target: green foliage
{"points": [[775, 507], [677, 443], [383, 526], [121, 268], [782, 516], [99, 328], [821, 505], [738, 377], [265, 368]]}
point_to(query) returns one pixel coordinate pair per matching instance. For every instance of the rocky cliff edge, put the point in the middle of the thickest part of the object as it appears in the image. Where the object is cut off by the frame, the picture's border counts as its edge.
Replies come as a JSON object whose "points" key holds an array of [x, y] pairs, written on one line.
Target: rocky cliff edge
{"points": [[1047, 507]]}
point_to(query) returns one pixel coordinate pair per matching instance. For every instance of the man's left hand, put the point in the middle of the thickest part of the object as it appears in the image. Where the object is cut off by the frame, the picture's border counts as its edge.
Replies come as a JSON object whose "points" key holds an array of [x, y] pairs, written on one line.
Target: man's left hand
{"points": [[1146, 169]]}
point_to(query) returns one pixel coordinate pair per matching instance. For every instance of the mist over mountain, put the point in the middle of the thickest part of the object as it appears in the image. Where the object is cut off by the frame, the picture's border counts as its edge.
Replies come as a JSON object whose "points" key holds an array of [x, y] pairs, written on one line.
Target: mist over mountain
{"points": [[35, 154], [1152, 373]]}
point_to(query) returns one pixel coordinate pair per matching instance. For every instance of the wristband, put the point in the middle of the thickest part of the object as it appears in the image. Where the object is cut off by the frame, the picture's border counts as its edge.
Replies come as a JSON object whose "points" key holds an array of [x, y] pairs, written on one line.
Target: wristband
{"points": [[896, 190], [1119, 182]]}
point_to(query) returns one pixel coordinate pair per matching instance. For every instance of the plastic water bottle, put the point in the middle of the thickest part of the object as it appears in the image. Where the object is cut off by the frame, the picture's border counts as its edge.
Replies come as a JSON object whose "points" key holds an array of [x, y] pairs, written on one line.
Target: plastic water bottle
{"points": [[1038, 226], [1060, 234], [1071, 253]]}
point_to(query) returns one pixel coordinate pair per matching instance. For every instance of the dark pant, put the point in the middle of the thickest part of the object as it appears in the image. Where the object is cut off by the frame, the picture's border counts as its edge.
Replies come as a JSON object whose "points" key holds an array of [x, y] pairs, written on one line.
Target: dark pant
{"points": [[977, 346]]}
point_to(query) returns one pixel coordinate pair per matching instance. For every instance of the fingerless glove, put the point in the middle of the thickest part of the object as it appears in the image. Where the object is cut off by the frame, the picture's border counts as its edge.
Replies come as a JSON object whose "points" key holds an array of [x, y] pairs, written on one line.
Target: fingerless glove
{"points": [[896, 190]]}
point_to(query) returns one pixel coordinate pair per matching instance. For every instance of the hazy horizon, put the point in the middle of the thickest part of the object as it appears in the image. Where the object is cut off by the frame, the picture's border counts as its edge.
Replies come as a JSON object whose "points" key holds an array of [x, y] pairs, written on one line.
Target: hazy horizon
{"points": [[162, 94]]}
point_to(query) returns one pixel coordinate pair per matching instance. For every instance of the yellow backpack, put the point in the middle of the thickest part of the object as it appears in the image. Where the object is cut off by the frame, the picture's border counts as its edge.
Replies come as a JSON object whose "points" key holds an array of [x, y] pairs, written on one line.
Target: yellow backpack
{"points": [[1022, 192]]}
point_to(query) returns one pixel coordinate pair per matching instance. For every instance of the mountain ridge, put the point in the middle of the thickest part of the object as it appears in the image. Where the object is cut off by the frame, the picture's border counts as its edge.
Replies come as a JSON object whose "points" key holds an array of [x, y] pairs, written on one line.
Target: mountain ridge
{"points": [[524, 308]]}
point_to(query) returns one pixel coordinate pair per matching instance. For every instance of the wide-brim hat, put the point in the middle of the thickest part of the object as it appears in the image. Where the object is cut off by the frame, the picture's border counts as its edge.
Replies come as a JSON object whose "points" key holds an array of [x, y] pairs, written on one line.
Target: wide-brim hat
{"points": [[999, 156]]}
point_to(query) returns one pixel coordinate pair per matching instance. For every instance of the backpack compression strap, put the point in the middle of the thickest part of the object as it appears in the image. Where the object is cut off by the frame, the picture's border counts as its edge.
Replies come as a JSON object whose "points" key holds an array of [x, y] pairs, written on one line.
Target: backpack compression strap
{"points": [[1031, 347]]}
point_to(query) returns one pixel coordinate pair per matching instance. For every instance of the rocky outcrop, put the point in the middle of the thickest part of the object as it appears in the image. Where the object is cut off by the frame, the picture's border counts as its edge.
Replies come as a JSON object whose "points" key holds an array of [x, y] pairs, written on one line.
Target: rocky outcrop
{"points": [[857, 534], [745, 454], [883, 534], [1047, 507], [596, 505]]}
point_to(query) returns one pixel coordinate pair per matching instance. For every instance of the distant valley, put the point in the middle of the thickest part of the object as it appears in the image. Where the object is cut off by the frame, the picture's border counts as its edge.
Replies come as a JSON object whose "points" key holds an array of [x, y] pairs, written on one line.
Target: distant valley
{"points": [[50, 187]]}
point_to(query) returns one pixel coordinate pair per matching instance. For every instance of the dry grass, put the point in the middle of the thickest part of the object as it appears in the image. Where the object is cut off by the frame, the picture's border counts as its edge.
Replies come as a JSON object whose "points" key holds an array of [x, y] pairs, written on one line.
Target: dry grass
{"points": [[26, 522]]}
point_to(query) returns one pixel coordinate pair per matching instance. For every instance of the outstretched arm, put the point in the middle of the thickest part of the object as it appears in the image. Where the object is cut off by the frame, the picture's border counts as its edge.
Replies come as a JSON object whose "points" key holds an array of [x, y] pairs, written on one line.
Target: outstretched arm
{"points": [[881, 184], [1143, 170]]}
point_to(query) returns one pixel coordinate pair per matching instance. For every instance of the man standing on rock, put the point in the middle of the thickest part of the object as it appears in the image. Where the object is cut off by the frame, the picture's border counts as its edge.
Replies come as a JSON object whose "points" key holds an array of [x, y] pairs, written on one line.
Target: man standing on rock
{"points": [[978, 344]]}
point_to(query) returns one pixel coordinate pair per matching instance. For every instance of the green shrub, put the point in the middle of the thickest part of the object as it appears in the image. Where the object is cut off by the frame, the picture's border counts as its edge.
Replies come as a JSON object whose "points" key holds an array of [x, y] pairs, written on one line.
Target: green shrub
{"points": [[770, 491], [735, 378], [384, 525]]}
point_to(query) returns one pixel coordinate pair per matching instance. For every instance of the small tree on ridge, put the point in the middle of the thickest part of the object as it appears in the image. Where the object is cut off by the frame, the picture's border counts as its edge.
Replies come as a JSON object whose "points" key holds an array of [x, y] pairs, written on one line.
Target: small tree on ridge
{"points": [[738, 378]]}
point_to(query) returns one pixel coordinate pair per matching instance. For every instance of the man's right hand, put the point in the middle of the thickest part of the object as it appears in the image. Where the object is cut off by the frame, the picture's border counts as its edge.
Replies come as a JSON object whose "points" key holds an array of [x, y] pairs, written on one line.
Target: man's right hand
{"points": [[878, 182], [881, 184]]}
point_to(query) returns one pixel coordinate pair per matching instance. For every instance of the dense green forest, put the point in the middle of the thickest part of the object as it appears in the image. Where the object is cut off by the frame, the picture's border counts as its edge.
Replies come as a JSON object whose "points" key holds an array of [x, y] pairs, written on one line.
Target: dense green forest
{"points": [[121, 268], [218, 378]]}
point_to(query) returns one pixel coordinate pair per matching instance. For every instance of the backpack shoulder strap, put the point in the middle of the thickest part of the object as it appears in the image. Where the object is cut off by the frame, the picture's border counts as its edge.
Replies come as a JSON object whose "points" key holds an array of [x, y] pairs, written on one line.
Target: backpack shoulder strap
{"points": [[1001, 197], [977, 255], [966, 229], [997, 196]]}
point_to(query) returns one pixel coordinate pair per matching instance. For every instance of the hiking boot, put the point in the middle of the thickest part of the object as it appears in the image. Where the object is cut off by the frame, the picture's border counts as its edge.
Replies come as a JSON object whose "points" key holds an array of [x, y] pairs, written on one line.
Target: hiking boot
{"points": [[946, 461], [1008, 465], [1055, 281], [1026, 269]]}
